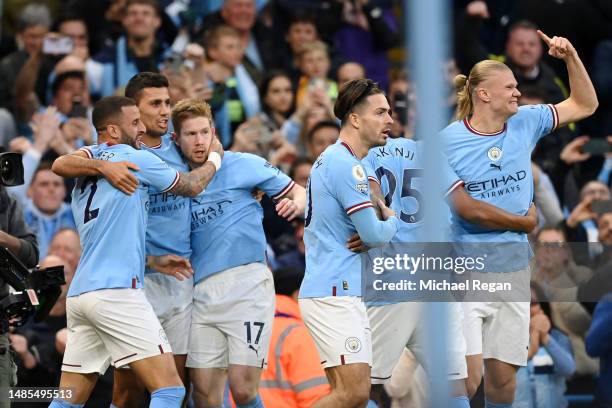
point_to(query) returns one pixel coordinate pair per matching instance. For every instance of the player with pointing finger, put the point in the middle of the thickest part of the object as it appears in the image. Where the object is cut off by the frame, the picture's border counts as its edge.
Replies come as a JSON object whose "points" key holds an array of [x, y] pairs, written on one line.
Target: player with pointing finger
{"points": [[492, 139]]}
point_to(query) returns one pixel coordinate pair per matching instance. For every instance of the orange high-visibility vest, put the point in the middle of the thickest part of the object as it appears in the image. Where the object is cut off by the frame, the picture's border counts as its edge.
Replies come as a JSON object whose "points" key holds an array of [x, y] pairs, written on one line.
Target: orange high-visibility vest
{"points": [[294, 376]]}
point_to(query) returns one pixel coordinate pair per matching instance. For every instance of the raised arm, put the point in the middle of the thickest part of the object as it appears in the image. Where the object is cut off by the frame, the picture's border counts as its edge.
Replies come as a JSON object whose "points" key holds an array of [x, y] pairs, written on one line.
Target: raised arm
{"points": [[487, 215], [79, 164], [582, 101]]}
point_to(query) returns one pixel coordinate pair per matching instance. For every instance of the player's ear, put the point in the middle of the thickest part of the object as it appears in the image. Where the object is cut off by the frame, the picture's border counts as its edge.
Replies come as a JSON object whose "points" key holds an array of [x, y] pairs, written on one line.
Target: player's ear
{"points": [[354, 120], [483, 95]]}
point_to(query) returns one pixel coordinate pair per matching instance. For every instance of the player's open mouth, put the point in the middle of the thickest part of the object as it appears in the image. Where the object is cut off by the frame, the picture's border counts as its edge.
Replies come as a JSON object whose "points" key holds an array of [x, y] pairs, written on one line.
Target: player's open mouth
{"points": [[386, 132]]}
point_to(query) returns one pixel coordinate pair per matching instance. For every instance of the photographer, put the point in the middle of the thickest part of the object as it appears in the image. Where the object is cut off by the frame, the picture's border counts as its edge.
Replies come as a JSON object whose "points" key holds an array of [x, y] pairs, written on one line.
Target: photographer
{"points": [[15, 236]]}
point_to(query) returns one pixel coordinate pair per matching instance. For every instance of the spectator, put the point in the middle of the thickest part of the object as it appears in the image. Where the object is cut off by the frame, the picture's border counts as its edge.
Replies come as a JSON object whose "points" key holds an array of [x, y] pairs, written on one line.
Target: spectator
{"points": [[314, 64], [599, 344], [549, 207], [402, 101], [235, 97], [372, 25], [550, 360], [349, 71], [137, 51], [581, 224], [8, 129], [524, 57], [302, 30], [559, 277], [45, 211], [66, 245], [323, 134], [276, 95], [300, 170], [75, 27], [294, 377], [256, 38], [33, 25]]}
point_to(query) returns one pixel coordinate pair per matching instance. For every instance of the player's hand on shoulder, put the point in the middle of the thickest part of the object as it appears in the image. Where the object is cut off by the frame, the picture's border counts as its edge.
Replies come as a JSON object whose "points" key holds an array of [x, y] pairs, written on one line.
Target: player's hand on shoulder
{"points": [[172, 265], [120, 176], [385, 211], [558, 47], [355, 244]]}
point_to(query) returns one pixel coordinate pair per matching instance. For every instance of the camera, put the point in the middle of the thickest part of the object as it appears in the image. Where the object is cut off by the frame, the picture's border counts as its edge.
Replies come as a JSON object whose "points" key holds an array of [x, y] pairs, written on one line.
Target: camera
{"points": [[36, 291], [400, 107], [11, 169]]}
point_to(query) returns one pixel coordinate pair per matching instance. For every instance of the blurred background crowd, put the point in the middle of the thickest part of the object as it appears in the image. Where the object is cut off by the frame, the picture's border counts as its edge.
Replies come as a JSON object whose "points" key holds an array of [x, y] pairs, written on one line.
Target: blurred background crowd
{"points": [[271, 71]]}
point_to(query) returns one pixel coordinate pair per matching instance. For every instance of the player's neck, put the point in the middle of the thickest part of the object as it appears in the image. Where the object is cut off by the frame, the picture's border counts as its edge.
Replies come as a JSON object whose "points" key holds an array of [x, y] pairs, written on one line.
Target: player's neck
{"points": [[358, 147], [150, 140], [489, 123]]}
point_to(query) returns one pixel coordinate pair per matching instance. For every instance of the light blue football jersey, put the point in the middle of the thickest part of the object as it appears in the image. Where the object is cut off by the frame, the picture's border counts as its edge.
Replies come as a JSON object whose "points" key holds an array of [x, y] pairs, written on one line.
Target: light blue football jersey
{"points": [[112, 224], [337, 187], [226, 221], [496, 168], [398, 168], [168, 227]]}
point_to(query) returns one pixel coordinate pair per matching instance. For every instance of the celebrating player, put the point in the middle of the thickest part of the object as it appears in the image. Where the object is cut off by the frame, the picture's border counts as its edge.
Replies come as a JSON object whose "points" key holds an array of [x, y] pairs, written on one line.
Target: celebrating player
{"points": [[233, 305], [489, 147], [338, 206], [109, 318]]}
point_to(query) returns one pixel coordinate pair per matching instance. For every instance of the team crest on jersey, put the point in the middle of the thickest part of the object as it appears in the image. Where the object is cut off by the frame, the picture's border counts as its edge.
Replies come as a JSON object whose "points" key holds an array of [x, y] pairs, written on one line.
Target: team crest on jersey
{"points": [[352, 345], [494, 153], [358, 173]]}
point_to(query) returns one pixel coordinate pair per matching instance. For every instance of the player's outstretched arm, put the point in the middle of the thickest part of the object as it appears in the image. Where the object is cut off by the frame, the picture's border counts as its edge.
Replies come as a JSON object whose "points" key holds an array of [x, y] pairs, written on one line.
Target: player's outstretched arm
{"points": [[582, 101], [292, 204], [78, 164], [487, 215], [193, 183]]}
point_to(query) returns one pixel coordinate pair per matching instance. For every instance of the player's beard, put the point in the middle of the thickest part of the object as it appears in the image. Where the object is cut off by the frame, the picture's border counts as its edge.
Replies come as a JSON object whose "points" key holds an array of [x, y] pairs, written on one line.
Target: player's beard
{"points": [[128, 140]]}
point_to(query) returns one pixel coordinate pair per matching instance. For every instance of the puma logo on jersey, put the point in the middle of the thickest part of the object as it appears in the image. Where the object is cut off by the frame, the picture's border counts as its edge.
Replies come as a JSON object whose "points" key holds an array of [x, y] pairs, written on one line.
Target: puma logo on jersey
{"points": [[497, 166]]}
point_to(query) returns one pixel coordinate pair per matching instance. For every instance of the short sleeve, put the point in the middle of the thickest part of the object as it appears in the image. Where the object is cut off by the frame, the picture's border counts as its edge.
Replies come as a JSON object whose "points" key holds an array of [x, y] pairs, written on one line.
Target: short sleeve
{"points": [[267, 177], [349, 182], [154, 171], [540, 120], [450, 179], [91, 151]]}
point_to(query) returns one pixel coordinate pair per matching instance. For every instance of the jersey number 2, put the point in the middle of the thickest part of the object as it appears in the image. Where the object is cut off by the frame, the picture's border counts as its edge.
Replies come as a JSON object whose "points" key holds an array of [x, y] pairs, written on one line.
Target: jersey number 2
{"points": [[90, 214]]}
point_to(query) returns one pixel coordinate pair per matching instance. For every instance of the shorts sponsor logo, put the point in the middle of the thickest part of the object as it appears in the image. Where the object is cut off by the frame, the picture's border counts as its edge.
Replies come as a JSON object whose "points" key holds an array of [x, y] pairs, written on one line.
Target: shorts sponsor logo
{"points": [[358, 173], [163, 337], [352, 345]]}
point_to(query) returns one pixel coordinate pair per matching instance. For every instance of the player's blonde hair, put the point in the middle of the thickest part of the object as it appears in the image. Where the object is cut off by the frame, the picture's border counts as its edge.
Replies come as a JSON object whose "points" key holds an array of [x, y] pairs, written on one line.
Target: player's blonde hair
{"points": [[187, 109], [466, 86]]}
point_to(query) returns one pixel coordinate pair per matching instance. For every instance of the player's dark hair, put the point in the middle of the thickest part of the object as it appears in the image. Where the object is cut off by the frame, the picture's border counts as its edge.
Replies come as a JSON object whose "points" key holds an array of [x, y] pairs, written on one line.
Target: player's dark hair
{"points": [[109, 109], [353, 94], [144, 80]]}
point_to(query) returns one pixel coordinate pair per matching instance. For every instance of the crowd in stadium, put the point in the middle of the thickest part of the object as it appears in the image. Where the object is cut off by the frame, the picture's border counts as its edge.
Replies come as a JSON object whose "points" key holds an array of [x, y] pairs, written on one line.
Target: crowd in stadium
{"points": [[271, 72]]}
